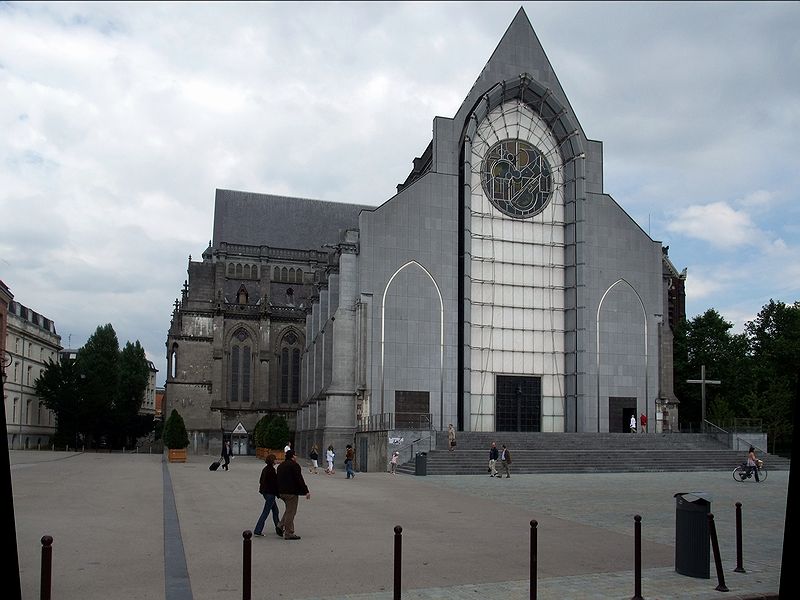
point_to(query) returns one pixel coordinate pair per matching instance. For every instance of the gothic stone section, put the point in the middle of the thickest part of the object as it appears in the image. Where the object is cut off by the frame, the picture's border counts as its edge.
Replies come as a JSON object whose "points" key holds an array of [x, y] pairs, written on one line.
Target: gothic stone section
{"points": [[237, 334]]}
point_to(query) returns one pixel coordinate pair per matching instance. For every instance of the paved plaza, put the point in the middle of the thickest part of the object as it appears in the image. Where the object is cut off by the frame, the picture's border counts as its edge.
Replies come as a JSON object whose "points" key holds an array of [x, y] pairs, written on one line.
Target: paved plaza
{"points": [[463, 536]]}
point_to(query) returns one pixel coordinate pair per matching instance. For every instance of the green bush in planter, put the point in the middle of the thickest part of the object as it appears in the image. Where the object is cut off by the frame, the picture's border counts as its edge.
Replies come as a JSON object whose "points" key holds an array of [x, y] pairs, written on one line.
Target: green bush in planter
{"points": [[261, 430], [276, 434], [175, 436]]}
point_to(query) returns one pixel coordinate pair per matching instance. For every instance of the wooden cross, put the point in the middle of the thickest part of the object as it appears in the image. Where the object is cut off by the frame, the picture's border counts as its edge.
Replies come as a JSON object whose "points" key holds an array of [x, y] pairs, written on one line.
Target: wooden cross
{"points": [[703, 381]]}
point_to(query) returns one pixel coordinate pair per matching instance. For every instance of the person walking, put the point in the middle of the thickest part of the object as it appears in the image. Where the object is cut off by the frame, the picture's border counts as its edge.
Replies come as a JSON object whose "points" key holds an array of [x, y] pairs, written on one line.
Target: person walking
{"points": [[633, 423], [226, 455], [349, 456], [329, 456], [287, 447], [393, 462], [314, 456], [505, 459], [752, 465], [643, 422], [494, 454], [291, 486], [268, 488], [451, 437]]}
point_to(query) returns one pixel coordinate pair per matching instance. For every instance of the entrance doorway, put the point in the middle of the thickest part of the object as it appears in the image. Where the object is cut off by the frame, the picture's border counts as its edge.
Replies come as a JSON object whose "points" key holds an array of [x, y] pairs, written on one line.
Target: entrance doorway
{"points": [[518, 403], [620, 411]]}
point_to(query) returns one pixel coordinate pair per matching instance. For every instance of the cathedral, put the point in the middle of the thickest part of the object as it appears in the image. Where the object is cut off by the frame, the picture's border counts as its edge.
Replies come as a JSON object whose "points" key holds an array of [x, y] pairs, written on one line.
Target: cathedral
{"points": [[500, 289]]}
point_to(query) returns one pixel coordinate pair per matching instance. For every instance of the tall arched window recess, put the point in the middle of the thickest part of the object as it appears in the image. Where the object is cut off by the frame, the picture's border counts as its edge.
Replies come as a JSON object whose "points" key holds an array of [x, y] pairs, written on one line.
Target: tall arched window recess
{"points": [[240, 367]]}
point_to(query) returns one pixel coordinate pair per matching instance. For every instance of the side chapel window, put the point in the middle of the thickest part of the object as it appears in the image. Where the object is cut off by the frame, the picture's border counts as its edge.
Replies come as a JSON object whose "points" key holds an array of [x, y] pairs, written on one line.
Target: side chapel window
{"points": [[290, 369], [240, 357]]}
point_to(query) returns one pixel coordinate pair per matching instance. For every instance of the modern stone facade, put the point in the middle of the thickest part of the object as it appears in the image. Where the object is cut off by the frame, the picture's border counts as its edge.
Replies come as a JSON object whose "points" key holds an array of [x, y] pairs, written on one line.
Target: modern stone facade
{"points": [[31, 343], [500, 289]]}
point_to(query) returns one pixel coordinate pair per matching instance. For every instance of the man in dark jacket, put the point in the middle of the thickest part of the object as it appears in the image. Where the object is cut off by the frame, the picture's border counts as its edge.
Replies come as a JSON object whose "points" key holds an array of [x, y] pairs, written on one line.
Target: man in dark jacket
{"points": [[494, 454], [291, 486], [505, 459], [268, 488]]}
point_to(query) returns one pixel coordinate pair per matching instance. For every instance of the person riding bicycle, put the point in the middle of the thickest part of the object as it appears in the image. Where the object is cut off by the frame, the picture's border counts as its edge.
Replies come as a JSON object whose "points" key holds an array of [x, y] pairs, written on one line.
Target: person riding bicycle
{"points": [[752, 465]]}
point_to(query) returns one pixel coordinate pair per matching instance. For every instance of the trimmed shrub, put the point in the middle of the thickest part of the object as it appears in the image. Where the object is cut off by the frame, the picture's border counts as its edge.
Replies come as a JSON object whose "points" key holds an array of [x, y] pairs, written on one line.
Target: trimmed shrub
{"points": [[276, 434], [175, 436]]}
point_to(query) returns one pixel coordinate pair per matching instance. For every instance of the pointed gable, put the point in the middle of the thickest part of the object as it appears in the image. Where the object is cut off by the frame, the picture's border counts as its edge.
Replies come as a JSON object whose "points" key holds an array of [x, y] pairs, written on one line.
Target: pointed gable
{"points": [[519, 51]]}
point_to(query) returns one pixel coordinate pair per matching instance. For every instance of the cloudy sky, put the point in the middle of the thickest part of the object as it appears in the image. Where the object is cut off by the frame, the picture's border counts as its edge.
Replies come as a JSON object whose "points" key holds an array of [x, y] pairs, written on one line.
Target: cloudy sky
{"points": [[120, 120]]}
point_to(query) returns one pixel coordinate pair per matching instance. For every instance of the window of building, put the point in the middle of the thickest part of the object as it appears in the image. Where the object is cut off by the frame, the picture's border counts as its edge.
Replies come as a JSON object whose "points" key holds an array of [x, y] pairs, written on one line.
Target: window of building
{"points": [[231, 270], [173, 361], [284, 274], [238, 270], [247, 271], [289, 368], [276, 274], [239, 384], [299, 276], [241, 295]]}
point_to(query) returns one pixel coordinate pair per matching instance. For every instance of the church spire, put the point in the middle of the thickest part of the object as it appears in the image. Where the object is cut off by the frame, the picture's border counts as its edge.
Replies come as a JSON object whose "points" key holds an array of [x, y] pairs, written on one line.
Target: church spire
{"points": [[519, 51]]}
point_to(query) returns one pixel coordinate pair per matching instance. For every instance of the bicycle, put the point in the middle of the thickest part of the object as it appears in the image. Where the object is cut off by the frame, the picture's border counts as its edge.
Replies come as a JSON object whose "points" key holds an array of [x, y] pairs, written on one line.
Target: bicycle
{"points": [[740, 473]]}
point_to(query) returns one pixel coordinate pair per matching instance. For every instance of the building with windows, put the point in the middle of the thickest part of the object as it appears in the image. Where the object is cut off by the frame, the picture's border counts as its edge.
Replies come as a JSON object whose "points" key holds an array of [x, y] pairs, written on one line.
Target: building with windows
{"points": [[500, 289], [31, 343], [148, 406]]}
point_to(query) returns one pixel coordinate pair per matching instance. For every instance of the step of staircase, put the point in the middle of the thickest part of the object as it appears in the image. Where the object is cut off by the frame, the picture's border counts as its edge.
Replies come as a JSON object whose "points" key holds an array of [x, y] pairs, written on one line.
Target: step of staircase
{"points": [[587, 453]]}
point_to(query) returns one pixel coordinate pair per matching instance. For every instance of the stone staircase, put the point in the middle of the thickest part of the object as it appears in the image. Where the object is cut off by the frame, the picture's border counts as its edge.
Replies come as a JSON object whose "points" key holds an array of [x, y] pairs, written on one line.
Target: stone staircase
{"points": [[588, 453]]}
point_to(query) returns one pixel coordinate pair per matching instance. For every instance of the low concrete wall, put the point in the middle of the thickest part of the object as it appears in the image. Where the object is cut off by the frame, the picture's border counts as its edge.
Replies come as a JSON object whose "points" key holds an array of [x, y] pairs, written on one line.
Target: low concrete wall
{"points": [[381, 444]]}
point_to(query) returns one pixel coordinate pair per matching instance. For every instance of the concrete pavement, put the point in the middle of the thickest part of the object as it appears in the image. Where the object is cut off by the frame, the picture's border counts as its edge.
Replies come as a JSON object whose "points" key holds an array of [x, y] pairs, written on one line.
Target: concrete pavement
{"points": [[463, 536]]}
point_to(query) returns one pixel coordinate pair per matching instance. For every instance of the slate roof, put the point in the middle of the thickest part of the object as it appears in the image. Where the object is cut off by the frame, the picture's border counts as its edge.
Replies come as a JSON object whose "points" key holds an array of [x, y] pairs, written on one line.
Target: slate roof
{"points": [[280, 221]]}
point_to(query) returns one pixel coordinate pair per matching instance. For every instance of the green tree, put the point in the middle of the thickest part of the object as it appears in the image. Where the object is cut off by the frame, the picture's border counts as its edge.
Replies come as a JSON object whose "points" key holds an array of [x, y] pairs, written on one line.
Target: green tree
{"points": [[774, 337], [134, 376], [60, 389], [99, 394], [98, 362], [707, 340], [175, 436]]}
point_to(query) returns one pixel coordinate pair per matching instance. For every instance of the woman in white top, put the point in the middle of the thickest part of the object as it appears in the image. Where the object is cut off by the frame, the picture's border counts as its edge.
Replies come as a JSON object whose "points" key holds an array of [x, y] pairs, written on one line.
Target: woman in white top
{"points": [[330, 456]]}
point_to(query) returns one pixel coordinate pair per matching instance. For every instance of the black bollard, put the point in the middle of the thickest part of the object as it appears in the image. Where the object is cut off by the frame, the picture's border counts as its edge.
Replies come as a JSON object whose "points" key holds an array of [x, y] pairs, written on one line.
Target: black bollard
{"points": [[739, 568], [534, 557], [712, 531], [637, 558], [247, 551], [47, 567], [398, 555]]}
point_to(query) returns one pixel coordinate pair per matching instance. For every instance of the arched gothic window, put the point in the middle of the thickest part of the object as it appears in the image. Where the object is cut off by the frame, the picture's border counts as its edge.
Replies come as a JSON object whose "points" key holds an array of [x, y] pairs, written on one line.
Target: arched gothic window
{"points": [[238, 270], [231, 270], [299, 276], [239, 384], [276, 274], [247, 271], [284, 274], [289, 365], [255, 272], [173, 361]]}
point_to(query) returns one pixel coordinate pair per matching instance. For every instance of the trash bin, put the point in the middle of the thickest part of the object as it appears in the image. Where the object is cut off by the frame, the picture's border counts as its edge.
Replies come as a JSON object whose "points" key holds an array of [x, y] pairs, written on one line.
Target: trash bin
{"points": [[692, 545], [421, 463]]}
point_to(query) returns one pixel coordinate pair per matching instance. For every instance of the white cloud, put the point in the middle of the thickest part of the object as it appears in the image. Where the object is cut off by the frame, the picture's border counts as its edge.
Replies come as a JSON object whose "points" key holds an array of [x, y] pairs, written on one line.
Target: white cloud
{"points": [[121, 119], [717, 223]]}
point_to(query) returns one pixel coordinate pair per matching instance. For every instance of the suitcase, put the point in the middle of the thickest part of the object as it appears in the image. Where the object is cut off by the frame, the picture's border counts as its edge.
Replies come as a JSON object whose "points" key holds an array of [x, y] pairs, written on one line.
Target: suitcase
{"points": [[213, 466]]}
